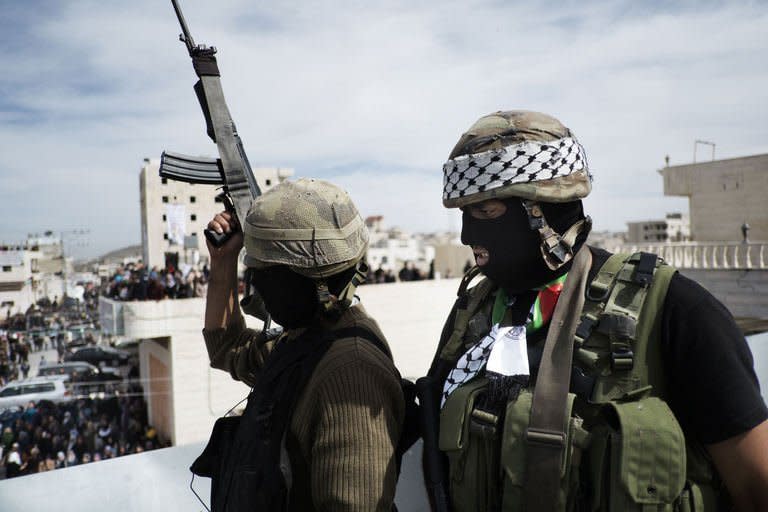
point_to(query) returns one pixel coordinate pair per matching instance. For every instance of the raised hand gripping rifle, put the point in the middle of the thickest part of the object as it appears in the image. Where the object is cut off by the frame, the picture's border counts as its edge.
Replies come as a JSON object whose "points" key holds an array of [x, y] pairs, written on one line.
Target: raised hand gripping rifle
{"points": [[231, 170]]}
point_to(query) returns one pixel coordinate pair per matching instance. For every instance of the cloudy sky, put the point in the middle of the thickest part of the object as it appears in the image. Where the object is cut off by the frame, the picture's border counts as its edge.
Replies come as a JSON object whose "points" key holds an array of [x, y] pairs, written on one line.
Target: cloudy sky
{"points": [[369, 95]]}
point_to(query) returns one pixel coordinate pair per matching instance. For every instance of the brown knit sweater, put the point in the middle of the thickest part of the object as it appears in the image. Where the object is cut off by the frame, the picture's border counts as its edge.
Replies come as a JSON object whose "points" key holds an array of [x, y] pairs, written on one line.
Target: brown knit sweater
{"points": [[346, 422]]}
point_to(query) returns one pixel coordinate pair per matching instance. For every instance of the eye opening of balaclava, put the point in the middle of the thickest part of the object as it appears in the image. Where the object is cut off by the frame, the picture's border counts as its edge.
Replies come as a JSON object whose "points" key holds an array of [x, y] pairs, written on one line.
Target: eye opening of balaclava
{"points": [[514, 247], [292, 299]]}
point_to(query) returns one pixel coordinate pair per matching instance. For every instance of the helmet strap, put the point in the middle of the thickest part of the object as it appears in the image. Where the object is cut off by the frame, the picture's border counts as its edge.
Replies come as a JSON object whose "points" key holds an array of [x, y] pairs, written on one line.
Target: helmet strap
{"points": [[348, 292], [556, 249], [332, 304]]}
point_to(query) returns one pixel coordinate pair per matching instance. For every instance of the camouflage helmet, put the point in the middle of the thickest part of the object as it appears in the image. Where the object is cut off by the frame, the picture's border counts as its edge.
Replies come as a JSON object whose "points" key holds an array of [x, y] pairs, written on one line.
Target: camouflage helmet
{"points": [[309, 225], [516, 153]]}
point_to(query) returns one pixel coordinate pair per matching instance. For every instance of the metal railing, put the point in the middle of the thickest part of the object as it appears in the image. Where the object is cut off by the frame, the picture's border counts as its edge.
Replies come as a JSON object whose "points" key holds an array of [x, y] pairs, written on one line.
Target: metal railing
{"points": [[705, 255]]}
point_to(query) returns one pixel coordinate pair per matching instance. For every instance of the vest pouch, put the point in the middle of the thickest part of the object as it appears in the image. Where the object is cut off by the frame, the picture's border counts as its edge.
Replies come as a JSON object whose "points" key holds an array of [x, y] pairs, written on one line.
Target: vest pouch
{"points": [[513, 455], [472, 450], [637, 462]]}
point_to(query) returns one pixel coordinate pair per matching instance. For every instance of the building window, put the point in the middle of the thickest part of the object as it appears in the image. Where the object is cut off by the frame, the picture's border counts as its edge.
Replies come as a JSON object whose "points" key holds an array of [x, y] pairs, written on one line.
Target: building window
{"points": [[165, 236], [165, 199], [192, 199], [7, 268], [268, 182], [194, 234], [164, 181], [193, 217], [165, 218]]}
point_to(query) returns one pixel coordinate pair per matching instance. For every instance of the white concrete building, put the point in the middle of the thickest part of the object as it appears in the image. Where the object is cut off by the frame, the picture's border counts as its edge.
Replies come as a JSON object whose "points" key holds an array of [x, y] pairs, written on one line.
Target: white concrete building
{"points": [[174, 214], [451, 256], [391, 249], [675, 227], [51, 247], [17, 291], [32, 271]]}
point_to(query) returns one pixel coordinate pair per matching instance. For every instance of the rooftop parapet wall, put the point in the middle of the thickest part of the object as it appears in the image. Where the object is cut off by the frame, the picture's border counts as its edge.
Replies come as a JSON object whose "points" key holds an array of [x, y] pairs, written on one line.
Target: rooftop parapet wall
{"points": [[705, 255], [151, 319], [410, 314]]}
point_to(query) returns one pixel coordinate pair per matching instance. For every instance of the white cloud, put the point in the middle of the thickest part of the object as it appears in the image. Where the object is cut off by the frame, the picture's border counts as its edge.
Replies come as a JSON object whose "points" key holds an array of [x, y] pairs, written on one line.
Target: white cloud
{"points": [[373, 96]]}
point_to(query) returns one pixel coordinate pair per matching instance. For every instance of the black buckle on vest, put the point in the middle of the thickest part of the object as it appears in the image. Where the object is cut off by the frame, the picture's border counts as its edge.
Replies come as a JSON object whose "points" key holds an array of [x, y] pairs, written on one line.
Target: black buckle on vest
{"points": [[621, 330], [622, 358], [585, 328], [644, 269]]}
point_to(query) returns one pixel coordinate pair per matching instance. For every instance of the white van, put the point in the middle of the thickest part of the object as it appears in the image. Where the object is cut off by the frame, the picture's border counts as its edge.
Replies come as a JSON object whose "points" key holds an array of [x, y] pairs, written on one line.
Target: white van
{"points": [[21, 392]]}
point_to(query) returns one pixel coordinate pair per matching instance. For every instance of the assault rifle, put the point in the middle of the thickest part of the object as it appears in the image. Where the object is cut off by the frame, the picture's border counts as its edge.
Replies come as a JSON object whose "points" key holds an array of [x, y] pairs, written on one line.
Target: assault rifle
{"points": [[231, 170], [434, 465]]}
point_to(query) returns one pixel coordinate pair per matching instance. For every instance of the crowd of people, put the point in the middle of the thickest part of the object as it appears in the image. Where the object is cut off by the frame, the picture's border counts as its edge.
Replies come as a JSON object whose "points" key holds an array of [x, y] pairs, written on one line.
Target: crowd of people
{"points": [[409, 272], [45, 436], [47, 325], [136, 281]]}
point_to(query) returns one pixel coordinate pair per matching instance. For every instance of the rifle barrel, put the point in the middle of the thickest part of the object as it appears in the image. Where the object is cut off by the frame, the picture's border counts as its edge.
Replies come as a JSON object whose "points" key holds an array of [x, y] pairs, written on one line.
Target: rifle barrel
{"points": [[187, 37]]}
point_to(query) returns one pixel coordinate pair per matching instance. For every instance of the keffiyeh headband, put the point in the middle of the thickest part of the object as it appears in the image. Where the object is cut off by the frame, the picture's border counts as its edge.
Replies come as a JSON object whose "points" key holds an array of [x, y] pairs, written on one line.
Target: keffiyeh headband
{"points": [[524, 162]]}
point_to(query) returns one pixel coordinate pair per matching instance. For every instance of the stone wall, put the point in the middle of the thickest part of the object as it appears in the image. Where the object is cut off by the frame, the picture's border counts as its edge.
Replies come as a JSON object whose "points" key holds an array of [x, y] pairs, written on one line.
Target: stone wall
{"points": [[744, 292]]}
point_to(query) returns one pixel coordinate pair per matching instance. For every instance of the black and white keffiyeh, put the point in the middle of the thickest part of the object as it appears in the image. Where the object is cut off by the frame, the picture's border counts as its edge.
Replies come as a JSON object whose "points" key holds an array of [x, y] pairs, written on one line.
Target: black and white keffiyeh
{"points": [[524, 162], [504, 353]]}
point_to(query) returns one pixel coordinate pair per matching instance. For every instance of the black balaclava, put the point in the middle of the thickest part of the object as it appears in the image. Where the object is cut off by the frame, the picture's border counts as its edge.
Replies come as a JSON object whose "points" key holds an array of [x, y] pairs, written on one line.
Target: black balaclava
{"points": [[515, 262], [291, 298]]}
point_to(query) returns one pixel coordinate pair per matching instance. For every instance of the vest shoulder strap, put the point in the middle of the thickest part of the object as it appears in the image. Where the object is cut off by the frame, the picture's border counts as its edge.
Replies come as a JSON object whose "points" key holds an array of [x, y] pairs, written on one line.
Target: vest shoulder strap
{"points": [[620, 324], [468, 302]]}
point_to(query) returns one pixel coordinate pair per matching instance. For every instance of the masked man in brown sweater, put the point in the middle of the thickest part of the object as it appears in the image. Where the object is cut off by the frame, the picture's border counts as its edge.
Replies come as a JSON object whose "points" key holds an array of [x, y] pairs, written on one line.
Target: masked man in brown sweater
{"points": [[325, 413]]}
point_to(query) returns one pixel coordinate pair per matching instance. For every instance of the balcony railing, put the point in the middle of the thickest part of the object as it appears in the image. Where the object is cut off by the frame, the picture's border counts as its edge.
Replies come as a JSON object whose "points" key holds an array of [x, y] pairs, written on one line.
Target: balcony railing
{"points": [[706, 255]]}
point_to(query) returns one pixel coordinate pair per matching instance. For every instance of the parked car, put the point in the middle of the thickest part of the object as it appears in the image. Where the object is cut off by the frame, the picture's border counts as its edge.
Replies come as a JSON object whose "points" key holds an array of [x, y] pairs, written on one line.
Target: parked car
{"points": [[20, 393], [76, 370], [84, 378], [99, 356]]}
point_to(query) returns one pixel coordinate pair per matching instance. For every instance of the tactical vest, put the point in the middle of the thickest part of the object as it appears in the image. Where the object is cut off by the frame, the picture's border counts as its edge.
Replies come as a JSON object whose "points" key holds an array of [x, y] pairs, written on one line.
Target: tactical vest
{"points": [[246, 456], [623, 449]]}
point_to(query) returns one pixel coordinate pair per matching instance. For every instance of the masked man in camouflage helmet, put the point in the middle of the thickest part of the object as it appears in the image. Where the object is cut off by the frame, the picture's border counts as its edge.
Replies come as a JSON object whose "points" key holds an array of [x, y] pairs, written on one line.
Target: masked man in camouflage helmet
{"points": [[325, 413], [572, 379]]}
